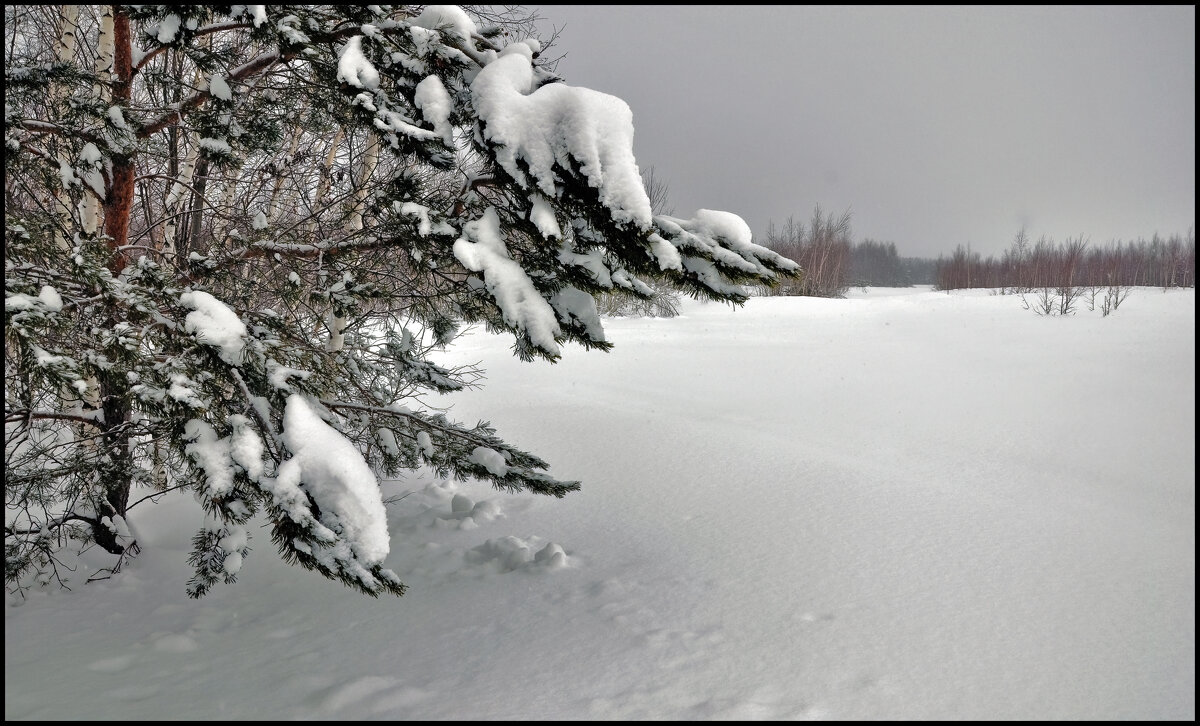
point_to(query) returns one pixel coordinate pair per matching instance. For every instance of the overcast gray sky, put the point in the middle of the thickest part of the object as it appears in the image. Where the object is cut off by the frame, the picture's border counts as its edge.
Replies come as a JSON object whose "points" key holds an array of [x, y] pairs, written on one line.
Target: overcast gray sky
{"points": [[935, 126]]}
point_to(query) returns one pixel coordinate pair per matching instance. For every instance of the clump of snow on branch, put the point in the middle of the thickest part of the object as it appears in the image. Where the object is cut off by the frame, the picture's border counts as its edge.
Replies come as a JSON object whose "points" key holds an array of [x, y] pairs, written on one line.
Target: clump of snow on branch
{"points": [[278, 375], [591, 261], [216, 456], [245, 447], [733, 230], [354, 68], [184, 390], [717, 238], [489, 459], [216, 146], [212, 454], [258, 13], [47, 298], [219, 88], [50, 298], [563, 125], [90, 162], [233, 544], [425, 443], [387, 442], [542, 216], [168, 28], [331, 470], [215, 324], [117, 117], [449, 19], [665, 252], [434, 101], [421, 212], [482, 250], [571, 303]]}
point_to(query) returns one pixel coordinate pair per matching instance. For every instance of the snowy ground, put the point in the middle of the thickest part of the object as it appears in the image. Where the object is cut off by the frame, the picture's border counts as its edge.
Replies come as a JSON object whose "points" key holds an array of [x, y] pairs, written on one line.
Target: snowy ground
{"points": [[904, 504]]}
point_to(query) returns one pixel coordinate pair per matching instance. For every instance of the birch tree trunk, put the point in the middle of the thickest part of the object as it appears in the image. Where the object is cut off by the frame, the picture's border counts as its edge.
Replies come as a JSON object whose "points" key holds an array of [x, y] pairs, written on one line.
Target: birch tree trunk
{"points": [[334, 322], [67, 29]]}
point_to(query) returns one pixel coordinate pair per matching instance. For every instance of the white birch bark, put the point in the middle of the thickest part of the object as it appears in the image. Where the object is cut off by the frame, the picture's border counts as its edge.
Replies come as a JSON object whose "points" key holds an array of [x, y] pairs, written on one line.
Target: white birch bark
{"points": [[67, 29]]}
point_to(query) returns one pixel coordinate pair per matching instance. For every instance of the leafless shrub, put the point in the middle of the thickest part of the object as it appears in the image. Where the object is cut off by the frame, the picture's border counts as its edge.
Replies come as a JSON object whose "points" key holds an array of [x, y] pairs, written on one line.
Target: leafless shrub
{"points": [[1043, 301], [822, 250], [1114, 295]]}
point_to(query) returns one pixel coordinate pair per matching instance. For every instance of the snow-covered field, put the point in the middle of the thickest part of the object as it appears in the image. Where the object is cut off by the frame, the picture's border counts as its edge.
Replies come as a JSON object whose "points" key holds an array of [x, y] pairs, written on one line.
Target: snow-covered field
{"points": [[900, 505]]}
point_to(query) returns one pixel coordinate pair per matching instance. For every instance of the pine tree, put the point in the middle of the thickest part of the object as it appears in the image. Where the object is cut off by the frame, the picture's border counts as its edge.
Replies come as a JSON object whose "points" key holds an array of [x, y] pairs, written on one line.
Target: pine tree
{"points": [[235, 235]]}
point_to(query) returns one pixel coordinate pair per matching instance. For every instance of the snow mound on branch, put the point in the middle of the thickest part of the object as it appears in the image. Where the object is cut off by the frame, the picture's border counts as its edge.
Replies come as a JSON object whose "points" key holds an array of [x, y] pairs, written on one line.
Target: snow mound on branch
{"points": [[215, 324], [216, 146], [709, 226], [48, 298], [564, 125], [519, 301], [542, 216], [330, 469], [718, 238], [446, 18], [168, 29], [219, 88], [90, 162], [354, 68], [425, 443], [727, 225], [489, 459], [434, 101], [211, 454], [571, 303], [216, 456]]}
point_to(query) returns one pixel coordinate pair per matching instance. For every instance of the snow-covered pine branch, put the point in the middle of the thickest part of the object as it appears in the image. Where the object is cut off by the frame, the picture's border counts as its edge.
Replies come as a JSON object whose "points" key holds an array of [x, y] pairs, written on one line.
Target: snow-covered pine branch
{"points": [[236, 237]]}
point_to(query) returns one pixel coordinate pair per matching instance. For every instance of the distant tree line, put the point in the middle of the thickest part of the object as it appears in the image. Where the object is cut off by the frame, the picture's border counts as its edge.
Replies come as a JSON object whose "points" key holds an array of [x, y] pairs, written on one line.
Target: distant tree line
{"points": [[832, 263], [878, 264], [1025, 267]]}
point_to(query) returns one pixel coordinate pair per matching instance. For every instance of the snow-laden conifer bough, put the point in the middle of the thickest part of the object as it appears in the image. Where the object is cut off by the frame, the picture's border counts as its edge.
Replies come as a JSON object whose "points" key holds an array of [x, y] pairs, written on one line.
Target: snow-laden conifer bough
{"points": [[261, 225]]}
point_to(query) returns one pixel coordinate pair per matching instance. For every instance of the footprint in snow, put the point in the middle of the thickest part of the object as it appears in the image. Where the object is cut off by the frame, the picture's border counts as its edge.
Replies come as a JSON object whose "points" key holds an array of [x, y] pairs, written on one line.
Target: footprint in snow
{"points": [[356, 691], [177, 643], [816, 617], [513, 553], [111, 665]]}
